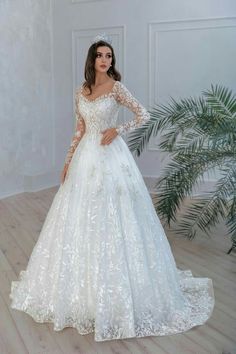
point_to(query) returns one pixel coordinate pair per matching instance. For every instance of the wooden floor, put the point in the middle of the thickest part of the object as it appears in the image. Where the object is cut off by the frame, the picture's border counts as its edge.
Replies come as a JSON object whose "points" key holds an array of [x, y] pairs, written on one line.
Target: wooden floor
{"points": [[21, 219]]}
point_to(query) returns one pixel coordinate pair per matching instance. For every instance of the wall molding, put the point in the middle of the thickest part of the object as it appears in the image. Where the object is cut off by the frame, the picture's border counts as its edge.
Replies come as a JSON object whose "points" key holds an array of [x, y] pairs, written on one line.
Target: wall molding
{"points": [[155, 29]]}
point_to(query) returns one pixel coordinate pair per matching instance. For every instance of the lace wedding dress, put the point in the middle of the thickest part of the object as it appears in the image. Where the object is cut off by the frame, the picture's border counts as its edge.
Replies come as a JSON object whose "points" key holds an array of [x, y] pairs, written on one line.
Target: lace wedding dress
{"points": [[102, 262]]}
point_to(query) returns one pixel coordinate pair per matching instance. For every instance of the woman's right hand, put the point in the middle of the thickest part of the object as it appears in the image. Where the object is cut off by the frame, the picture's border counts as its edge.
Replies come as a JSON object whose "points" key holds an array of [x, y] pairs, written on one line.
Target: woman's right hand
{"points": [[64, 173]]}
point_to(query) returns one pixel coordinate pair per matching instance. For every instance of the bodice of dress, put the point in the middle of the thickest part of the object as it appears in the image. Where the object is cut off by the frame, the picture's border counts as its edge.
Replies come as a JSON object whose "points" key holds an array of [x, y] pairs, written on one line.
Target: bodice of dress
{"points": [[94, 116], [98, 114]]}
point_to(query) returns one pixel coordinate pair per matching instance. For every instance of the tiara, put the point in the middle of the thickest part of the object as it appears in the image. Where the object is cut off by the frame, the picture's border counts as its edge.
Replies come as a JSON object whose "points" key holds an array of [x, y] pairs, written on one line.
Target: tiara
{"points": [[101, 37]]}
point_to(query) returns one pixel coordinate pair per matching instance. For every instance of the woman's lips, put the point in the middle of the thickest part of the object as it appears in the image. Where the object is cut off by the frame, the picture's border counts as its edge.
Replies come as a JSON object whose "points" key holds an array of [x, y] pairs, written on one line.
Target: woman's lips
{"points": [[103, 66]]}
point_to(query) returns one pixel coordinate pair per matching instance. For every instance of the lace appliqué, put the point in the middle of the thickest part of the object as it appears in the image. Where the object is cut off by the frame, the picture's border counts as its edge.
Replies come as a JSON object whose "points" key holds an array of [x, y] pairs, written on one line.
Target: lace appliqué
{"points": [[124, 97], [79, 131]]}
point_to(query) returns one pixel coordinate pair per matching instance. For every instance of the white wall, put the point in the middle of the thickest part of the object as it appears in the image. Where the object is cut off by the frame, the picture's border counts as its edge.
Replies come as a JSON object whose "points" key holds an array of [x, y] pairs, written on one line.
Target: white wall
{"points": [[26, 120], [163, 48]]}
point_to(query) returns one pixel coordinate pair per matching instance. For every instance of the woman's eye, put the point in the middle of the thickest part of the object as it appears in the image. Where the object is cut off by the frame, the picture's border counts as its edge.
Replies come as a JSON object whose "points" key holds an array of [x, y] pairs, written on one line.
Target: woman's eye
{"points": [[99, 55]]}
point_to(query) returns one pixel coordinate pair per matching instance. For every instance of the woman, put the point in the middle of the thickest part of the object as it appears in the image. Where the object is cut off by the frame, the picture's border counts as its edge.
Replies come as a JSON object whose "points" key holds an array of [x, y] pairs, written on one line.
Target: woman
{"points": [[102, 262]]}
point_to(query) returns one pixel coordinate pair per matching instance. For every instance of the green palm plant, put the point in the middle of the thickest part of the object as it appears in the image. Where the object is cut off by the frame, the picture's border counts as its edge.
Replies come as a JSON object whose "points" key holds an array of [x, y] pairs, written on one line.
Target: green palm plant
{"points": [[199, 135]]}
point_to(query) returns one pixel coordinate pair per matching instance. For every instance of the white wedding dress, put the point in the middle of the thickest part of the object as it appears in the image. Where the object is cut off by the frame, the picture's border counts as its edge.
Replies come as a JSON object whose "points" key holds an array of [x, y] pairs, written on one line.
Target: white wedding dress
{"points": [[102, 262]]}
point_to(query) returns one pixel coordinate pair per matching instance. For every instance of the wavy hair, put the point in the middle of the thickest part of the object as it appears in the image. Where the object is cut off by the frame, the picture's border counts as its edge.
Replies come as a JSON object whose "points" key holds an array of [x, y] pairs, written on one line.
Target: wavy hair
{"points": [[89, 70]]}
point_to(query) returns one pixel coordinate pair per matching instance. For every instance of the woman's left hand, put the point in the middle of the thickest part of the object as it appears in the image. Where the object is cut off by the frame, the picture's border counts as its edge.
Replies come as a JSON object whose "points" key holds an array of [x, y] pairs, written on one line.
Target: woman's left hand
{"points": [[108, 136]]}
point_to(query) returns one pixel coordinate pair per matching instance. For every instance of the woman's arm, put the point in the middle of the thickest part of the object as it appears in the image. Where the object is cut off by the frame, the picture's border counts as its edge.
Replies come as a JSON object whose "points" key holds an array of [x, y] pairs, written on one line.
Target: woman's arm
{"points": [[79, 131], [124, 97]]}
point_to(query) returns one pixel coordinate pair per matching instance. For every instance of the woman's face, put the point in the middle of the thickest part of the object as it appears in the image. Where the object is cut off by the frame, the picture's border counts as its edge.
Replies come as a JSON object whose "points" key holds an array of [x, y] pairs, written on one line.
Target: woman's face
{"points": [[103, 59]]}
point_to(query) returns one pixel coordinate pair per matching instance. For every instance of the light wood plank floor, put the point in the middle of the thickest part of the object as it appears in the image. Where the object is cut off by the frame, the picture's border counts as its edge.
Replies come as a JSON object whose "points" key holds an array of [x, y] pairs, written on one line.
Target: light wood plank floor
{"points": [[21, 219]]}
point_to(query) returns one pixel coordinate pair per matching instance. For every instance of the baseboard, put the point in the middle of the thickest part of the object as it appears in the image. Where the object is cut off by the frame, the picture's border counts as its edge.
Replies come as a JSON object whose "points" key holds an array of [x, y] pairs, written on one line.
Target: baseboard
{"points": [[33, 183]]}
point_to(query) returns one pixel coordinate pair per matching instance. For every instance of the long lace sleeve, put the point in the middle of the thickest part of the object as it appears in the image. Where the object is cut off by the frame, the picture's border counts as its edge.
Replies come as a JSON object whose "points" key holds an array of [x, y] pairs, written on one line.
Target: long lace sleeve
{"points": [[79, 131], [124, 97]]}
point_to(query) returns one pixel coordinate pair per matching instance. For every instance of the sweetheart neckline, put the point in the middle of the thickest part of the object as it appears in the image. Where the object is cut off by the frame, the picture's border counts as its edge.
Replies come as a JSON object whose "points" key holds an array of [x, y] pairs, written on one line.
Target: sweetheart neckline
{"points": [[101, 96]]}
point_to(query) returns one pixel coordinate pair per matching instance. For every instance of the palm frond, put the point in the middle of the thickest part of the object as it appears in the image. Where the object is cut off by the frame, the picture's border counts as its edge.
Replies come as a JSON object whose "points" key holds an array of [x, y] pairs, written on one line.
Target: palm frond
{"points": [[222, 100], [201, 215], [178, 179], [206, 213]]}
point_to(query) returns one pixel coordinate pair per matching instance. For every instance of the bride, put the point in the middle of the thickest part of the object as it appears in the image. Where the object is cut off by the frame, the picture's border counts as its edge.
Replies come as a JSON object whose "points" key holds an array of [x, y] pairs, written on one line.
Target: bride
{"points": [[102, 262]]}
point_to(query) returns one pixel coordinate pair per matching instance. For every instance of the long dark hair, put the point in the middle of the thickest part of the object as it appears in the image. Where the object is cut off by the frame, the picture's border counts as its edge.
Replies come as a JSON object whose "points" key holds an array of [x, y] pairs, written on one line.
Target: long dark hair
{"points": [[89, 70]]}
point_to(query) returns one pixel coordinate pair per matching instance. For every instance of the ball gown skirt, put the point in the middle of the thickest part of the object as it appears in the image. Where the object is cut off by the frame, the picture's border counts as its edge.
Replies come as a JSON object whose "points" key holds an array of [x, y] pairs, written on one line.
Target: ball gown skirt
{"points": [[102, 262]]}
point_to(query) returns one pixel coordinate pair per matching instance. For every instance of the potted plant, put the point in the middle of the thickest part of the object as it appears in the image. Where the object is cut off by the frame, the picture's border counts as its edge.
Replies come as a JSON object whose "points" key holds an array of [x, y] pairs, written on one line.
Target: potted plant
{"points": [[199, 135]]}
